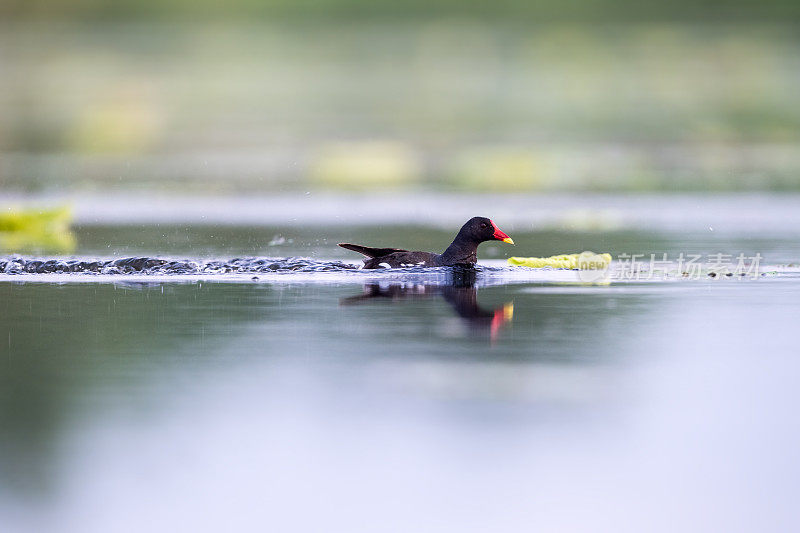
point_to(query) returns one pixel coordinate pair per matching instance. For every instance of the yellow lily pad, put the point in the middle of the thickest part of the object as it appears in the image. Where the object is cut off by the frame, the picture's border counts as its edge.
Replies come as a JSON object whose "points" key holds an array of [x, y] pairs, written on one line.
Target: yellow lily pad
{"points": [[582, 261]]}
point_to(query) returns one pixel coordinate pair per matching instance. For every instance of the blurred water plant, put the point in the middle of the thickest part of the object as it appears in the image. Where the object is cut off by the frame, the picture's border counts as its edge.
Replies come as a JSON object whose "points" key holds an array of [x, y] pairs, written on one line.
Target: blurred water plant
{"points": [[500, 169], [124, 120], [36, 230], [360, 165]]}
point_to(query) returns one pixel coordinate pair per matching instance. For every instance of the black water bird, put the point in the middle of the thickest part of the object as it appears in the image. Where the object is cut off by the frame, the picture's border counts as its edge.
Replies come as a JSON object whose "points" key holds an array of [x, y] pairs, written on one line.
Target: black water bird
{"points": [[462, 251]]}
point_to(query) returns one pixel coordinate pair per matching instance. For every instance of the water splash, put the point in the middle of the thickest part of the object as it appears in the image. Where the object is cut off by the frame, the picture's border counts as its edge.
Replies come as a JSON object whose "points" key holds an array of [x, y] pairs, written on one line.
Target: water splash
{"points": [[152, 265], [303, 269]]}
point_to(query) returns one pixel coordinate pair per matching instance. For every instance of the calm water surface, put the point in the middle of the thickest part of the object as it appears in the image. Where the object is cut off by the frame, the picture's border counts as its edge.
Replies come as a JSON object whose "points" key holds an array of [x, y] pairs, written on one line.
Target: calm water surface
{"points": [[353, 403], [341, 406]]}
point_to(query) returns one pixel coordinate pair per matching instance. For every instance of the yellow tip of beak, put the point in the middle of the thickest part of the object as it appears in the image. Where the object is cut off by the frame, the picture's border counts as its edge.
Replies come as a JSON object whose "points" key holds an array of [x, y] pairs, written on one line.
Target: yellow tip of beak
{"points": [[508, 240], [508, 311]]}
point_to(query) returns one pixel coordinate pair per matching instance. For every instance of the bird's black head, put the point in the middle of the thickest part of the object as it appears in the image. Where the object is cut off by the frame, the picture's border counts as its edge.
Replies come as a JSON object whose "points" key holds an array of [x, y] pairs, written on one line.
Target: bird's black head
{"points": [[480, 229]]}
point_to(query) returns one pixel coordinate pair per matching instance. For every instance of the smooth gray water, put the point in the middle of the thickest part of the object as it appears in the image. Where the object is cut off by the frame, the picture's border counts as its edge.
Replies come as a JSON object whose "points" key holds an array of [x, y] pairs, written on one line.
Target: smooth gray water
{"points": [[198, 405], [338, 400]]}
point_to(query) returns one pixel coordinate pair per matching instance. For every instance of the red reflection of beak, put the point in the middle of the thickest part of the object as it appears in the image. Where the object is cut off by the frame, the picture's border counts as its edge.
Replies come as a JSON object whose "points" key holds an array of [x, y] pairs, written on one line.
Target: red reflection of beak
{"points": [[502, 315], [500, 236]]}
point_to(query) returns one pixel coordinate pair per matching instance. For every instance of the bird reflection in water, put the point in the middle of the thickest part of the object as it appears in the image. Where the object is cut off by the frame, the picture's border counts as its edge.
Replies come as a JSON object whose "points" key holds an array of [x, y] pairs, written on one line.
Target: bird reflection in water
{"points": [[460, 292]]}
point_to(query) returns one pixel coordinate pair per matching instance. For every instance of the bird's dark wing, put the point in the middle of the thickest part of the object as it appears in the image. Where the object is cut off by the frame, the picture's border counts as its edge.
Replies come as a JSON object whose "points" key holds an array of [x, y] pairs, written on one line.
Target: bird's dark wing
{"points": [[402, 259], [369, 251]]}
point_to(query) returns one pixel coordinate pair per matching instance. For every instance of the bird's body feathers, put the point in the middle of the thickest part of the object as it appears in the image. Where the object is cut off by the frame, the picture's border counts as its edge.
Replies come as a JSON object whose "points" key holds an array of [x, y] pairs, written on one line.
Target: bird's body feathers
{"points": [[462, 251]]}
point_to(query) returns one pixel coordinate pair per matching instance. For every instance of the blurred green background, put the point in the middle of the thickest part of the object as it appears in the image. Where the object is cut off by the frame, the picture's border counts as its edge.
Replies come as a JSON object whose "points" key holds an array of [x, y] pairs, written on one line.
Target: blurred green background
{"points": [[509, 95]]}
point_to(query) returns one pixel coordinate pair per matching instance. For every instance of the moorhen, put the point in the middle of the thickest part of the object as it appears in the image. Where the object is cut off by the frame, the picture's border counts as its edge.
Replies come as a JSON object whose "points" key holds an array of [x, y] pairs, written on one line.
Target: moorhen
{"points": [[462, 251]]}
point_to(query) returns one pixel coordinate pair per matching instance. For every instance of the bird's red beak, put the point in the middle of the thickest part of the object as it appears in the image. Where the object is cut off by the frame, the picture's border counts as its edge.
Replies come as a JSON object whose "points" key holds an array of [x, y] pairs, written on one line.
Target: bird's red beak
{"points": [[500, 236]]}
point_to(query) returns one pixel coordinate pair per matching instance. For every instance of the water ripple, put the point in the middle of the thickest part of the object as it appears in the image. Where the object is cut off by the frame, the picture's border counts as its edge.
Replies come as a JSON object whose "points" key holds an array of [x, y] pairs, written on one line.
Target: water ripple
{"points": [[152, 265]]}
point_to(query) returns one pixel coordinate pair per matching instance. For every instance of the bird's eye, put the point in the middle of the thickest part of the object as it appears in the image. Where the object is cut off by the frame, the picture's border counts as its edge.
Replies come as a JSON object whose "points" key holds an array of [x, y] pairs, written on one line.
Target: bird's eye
{"points": [[483, 224]]}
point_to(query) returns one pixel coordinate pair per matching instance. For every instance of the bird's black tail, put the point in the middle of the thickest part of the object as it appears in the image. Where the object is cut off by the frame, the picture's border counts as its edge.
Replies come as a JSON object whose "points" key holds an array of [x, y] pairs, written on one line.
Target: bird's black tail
{"points": [[368, 251]]}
